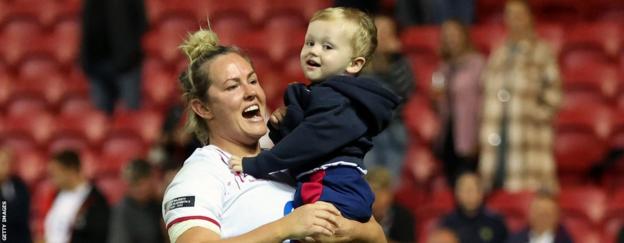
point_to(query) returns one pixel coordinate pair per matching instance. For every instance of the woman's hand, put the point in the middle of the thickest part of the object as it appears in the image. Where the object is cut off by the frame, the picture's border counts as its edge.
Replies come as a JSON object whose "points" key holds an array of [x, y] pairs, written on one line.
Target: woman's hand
{"points": [[236, 164], [277, 116], [352, 231], [315, 220]]}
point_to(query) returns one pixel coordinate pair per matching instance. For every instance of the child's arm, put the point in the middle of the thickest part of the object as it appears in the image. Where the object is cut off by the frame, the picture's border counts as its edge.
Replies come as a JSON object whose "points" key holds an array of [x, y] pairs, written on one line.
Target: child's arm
{"points": [[295, 98], [330, 124]]}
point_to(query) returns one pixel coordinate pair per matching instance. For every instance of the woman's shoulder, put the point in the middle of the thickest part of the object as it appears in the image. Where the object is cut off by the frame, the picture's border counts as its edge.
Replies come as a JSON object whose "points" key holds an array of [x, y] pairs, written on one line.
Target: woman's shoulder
{"points": [[208, 161]]}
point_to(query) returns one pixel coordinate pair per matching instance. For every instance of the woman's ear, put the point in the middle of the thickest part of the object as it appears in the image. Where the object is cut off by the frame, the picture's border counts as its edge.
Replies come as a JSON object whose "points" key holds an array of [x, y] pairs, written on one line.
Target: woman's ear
{"points": [[202, 110], [356, 65]]}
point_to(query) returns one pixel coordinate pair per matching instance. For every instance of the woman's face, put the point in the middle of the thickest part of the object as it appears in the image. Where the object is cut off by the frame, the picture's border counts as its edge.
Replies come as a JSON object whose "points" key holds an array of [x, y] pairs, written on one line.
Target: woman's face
{"points": [[453, 37], [517, 17], [236, 103]]}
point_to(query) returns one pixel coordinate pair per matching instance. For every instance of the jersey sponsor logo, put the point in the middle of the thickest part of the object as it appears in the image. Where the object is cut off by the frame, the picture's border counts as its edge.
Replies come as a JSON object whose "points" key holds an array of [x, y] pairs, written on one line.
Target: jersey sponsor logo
{"points": [[180, 202]]}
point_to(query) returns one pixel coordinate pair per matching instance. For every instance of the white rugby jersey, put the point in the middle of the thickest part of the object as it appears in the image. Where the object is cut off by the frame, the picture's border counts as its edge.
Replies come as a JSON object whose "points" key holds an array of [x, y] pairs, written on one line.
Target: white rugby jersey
{"points": [[205, 193]]}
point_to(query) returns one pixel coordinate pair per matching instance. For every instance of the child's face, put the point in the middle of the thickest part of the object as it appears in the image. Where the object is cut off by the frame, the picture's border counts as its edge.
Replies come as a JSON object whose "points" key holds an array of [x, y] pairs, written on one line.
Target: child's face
{"points": [[328, 49]]}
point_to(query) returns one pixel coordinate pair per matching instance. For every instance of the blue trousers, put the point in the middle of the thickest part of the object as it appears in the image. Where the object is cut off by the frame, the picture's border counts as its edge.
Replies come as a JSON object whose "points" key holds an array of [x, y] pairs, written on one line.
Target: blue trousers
{"points": [[342, 186]]}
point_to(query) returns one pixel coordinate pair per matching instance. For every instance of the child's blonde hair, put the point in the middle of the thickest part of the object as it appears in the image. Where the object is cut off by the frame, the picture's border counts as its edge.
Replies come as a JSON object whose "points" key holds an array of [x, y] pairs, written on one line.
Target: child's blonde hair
{"points": [[365, 37]]}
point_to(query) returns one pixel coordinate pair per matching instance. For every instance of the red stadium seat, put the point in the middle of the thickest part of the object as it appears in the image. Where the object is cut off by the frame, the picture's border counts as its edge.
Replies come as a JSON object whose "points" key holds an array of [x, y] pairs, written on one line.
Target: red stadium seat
{"points": [[490, 11], [581, 136], [581, 233], [563, 11], [488, 37], [36, 126], [586, 205], [217, 9], [30, 166], [598, 82], [147, 124], [113, 188], [61, 142], [6, 85], [25, 104], [254, 44], [420, 164], [162, 42], [161, 9], [118, 149], [159, 84], [90, 163], [230, 27], [19, 37], [65, 38], [591, 43], [440, 204], [303, 10], [76, 105], [514, 206], [285, 45], [91, 125], [43, 76], [420, 120], [424, 39], [553, 34], [604, 10]]}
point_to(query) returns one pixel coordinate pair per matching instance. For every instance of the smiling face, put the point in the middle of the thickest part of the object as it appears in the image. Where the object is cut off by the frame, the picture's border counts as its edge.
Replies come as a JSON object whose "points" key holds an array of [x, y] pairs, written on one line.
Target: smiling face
{"points": [[328, 49], [235, 108]]}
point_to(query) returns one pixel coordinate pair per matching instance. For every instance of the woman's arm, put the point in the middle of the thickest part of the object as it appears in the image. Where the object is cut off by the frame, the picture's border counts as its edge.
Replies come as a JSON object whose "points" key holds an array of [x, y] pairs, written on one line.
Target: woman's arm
{"points": [[354, 231], [318, 219]]}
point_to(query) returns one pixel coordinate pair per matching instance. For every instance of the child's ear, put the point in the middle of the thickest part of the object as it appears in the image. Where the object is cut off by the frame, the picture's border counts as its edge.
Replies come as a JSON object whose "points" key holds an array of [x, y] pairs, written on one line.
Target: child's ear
{"points": [[356, 65], [202, 110]]}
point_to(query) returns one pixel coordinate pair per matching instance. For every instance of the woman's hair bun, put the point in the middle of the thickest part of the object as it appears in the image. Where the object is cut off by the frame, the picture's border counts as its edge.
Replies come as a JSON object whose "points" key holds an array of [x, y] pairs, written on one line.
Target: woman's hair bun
{"points": [[198, 43]]}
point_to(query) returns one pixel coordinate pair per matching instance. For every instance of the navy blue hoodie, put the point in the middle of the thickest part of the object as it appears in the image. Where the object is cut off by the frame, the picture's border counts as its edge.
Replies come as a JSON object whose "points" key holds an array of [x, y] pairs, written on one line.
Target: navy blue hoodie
{"points": [[330, 121]]}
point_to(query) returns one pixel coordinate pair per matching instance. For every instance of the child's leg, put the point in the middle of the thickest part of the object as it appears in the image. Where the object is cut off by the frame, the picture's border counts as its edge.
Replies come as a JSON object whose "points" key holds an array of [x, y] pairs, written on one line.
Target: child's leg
{"points": [[342, 186]]}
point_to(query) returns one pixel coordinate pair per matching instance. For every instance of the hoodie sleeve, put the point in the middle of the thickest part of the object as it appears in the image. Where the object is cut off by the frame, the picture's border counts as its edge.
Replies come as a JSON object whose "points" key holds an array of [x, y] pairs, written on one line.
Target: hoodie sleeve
{"points": [[330, 123], [295, 98]]}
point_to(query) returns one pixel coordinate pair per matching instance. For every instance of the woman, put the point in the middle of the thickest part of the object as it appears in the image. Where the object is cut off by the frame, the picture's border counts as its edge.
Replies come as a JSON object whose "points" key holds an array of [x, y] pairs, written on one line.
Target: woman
{"points": [[457, 96], [521, 95], [205, 202]]}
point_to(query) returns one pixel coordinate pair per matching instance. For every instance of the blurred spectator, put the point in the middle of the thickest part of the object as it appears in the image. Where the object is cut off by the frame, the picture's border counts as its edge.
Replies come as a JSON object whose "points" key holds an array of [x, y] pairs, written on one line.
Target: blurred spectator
{"points": [[620, 237], [136, 218], [393, 69], [544, 226], [111, 52], [428, 12], [16, 202], [397, 222], [471, 220], [521, 95], [79, 212], [442, 236], [457, 97], [175, 143]]}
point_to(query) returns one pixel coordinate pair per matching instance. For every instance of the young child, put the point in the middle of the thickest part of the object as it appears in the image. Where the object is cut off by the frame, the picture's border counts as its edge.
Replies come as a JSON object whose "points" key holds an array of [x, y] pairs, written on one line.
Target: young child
{"points": [[326, 128]]}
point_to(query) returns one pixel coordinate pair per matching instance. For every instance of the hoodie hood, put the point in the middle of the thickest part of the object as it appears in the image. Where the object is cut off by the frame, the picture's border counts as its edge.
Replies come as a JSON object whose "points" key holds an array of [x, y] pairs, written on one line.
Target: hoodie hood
{"points": [[371, 100]]}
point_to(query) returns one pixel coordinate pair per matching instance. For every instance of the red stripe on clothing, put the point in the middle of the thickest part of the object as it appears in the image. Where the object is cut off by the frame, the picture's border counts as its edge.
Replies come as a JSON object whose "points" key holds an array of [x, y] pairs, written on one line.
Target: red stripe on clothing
{"points": [[178, 220], [311, 190]]}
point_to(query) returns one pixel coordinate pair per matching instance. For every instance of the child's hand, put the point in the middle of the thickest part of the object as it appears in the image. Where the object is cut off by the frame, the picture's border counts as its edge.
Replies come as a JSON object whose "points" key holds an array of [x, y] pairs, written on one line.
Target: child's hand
{"points": [[236, 164], [278, 115]]}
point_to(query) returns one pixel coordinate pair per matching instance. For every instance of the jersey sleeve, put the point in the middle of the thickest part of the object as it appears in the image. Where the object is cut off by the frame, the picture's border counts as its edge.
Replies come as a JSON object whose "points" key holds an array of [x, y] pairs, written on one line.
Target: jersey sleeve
{"points": [[194, 198]]}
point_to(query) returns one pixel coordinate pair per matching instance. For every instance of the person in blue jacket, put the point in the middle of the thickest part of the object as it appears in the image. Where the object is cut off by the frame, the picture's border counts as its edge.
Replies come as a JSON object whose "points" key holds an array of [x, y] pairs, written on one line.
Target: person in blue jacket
{"points": [[327, 127]]}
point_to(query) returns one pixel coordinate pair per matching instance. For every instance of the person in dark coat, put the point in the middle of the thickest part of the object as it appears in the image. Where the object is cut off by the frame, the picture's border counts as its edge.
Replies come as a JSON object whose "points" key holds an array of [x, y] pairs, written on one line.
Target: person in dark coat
{"points": [[136, 218], [471, 220], [111, 53], [15, 200], [79, 212], [544, 223]]}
